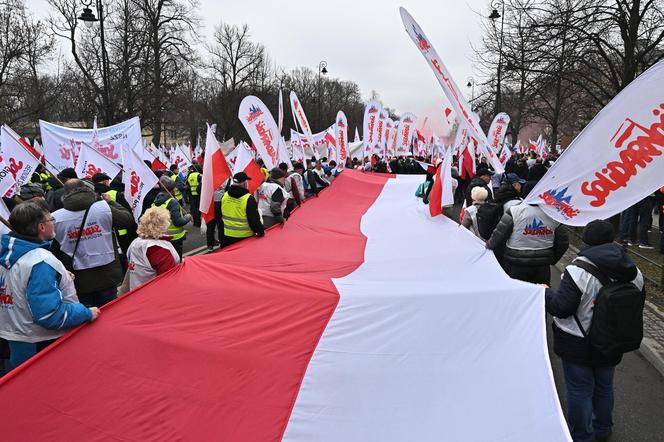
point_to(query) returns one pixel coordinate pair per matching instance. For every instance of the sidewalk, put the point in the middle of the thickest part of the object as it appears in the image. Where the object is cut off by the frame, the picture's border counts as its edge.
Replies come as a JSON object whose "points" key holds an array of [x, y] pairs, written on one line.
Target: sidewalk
{"points": [[652, 346]]}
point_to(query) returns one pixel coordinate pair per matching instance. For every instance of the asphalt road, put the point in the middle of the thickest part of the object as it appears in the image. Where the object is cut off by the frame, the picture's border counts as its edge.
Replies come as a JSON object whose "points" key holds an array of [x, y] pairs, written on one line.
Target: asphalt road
{"points": [[639, 393]]}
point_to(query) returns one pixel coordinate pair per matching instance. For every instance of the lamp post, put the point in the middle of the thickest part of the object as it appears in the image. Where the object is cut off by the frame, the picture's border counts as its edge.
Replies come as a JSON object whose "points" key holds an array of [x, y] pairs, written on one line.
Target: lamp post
{"points": [[89, 18], [471, 85], [322, 69], [495, 16]]}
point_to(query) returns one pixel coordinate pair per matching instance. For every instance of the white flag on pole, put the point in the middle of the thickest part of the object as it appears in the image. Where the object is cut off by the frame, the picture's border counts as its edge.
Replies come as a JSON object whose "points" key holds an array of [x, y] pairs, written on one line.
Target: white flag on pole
{"points": [[22, 164], [90, 162], [138, 180], [614, 162], [262, 129]]}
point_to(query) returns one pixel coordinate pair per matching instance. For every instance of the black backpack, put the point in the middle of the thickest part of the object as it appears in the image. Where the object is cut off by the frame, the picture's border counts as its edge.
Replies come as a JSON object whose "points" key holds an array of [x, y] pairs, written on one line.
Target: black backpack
{"points": [[617, 324], [488, 217]]}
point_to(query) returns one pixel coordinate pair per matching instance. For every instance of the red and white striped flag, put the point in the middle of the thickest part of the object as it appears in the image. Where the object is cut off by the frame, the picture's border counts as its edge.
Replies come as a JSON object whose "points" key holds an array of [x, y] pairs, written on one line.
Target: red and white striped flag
{"points": [[215, 173]]}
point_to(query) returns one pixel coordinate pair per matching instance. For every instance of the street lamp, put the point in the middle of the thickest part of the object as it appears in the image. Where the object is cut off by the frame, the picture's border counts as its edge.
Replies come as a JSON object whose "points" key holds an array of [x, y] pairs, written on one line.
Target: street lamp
{"points": [[471, 84], [322, 69], [495, 16], [89, 19]]}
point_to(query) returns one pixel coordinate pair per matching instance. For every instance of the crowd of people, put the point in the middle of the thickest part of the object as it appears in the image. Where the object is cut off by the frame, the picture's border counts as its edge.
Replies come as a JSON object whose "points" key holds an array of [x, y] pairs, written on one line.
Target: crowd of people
{"points": [[74, 246]]}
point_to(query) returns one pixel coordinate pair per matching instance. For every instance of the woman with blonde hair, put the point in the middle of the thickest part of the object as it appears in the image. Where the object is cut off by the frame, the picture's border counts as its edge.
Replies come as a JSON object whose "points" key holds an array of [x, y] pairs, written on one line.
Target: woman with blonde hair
{"points": [[479, 195], [151, 254]]}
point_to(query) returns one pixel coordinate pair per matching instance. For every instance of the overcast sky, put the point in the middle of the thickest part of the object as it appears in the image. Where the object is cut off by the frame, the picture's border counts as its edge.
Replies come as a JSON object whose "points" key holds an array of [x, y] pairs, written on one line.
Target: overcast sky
{"points": [[363, 41]]}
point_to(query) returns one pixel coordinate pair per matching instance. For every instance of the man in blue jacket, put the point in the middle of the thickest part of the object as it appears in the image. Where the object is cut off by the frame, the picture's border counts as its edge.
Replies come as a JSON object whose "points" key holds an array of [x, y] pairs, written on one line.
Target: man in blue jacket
{"points": [[38, 301], [588, 373]]}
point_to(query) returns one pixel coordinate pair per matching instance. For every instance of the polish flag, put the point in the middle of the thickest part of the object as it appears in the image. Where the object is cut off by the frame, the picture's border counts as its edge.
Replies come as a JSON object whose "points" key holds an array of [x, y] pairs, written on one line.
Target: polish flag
{"points": [[245, 162], [441, 193], [215, 173], [382, 344]]}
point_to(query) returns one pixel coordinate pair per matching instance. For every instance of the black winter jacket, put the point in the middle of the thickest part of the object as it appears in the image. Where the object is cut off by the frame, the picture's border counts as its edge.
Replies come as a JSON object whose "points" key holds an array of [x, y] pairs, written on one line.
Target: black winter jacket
{"points": [[612, 260], [477, 181], [527, 258]]}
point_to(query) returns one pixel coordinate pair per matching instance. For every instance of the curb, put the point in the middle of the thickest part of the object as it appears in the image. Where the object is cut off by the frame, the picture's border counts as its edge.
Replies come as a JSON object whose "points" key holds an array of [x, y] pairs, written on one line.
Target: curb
{"points": [[650, 349]]}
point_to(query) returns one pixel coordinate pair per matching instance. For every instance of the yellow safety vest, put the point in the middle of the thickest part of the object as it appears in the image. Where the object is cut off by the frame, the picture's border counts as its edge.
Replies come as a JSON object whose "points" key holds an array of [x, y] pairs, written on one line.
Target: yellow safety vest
{"points": [[114, 196], [192, 179], [234, 214], [176, 192], [173, 231], [44, 179]]}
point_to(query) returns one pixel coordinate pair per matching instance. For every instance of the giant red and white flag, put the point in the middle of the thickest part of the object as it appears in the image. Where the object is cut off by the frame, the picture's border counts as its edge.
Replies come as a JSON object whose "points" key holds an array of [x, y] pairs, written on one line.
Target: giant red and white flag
{"points": [[383, 344], [90, 162], [341, 135], [138, 180], [301, 118], [452, 92], [22, 164], [262, 129], [614, 162], [215, 173], [245, 162]]}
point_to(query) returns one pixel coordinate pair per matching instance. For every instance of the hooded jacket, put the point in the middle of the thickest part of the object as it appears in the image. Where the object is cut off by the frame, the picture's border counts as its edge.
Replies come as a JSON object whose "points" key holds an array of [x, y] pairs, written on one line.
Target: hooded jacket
{"points": [[38, 302], [105, 276], [576, 295], [54, 196]]}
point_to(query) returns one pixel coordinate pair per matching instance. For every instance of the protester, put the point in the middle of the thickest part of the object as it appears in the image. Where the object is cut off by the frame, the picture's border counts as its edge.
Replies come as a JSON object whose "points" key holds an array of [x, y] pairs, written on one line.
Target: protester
{"points": [[589, 372], [193, 188], [166, 199], [641, 222], [43, 295], [239, 212], [54, 197], [179, 191], [272, 198], [312, 181], [32, 192], [151, 254], [482, 178], [532, 242], [479, 195], [86, 244], [216, 223], [124, 237]]}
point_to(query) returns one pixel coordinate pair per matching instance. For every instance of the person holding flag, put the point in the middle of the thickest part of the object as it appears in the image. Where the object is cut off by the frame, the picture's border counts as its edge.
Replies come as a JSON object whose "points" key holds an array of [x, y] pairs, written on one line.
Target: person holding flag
{"points": [[165, 199], [239, 211], [194, 190]]}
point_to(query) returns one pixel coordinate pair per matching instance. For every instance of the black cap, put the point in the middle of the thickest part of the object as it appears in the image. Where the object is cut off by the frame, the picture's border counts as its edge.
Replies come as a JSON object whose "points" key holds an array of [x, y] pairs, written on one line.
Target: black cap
{"points": [[240, 177], [99, 177], [68, 173], [598, 232], [482, 171]]}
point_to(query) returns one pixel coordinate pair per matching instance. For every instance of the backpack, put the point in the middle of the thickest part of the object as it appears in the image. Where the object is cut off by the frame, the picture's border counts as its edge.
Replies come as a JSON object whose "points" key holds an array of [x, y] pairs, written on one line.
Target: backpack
{"points": [[617, 324], [488, 217]]}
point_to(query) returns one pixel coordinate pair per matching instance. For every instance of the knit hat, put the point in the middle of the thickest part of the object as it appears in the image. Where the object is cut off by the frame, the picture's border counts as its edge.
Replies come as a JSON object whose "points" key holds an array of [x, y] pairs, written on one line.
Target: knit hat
{"points": [[277, 173], [167, 182], [598, 232]]}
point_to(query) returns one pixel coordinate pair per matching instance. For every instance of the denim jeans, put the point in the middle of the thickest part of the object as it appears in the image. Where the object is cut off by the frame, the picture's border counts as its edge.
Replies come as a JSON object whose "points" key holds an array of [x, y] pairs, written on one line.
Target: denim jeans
{"points": [[626, 223], [19, 352], [589, 400]]}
